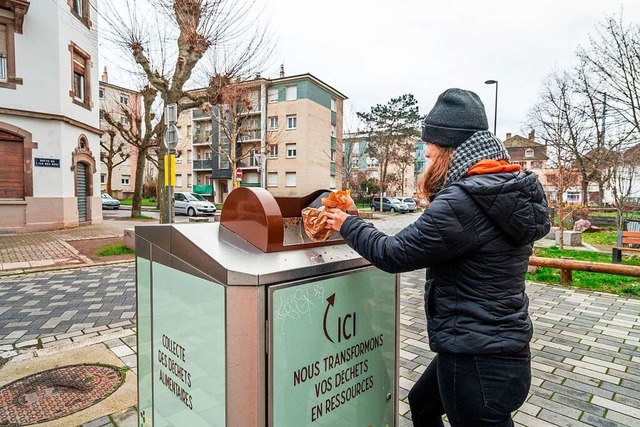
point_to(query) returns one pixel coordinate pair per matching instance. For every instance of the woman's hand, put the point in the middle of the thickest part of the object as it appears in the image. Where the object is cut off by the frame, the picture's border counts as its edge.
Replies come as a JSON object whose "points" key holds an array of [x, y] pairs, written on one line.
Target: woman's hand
{"points": [[335, 218]]}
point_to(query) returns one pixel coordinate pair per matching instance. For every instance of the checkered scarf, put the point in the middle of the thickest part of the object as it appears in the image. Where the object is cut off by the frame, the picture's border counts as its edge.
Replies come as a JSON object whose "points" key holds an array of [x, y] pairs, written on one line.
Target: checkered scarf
{"points": [[481, 145]]}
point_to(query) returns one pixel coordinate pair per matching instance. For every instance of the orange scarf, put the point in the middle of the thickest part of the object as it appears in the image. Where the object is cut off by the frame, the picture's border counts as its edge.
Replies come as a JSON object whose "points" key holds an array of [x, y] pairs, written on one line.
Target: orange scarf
{"points": [[492, 166]]}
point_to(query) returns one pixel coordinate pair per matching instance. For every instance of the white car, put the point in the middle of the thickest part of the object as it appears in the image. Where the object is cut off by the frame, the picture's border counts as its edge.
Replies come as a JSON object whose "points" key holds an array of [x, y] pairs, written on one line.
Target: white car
{"points": [[411, 204], [192, 204]]}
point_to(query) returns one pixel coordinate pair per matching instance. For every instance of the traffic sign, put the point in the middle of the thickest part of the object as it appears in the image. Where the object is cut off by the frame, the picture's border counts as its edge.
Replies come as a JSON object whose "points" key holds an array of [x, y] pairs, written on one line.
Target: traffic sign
{"points": [[238, 173]]}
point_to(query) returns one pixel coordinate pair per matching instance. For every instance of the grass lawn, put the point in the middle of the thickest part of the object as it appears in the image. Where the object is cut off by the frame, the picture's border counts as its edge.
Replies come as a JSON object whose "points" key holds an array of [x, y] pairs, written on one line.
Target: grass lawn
{"points": [[113, 249], [602, 282], [604, 238], [145, 202]]}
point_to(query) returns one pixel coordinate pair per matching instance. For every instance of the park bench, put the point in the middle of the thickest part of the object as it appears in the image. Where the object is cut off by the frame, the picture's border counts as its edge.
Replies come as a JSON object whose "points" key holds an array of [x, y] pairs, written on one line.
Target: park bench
{"points": [[628, 241]]}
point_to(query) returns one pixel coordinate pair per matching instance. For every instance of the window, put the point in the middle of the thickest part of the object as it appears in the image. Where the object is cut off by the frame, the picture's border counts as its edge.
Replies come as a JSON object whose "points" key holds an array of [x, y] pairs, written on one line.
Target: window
{"points": [[8, 77], [292, 151], [333, 104], [178, 180], [273, 150], [273, 122], [189, 180], [536, 164], [189, 156], [101, 93], [80, 9], [332, 183], [124, 120], [289, 179], [333, 131], [333, 155], [103, 178], [125, 179], [4, 70], [528, 152], [124, 99], [272, 95], [80, 77], [292, 121], [292, 93], [573, 196], [101, 114], [272, 179]]}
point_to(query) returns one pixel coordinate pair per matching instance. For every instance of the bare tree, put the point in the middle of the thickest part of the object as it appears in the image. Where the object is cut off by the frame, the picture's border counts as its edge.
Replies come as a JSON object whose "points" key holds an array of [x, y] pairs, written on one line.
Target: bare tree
{"points": [[613, 55], [233, 116], [113, 154], [215, 40], [557, 123]]}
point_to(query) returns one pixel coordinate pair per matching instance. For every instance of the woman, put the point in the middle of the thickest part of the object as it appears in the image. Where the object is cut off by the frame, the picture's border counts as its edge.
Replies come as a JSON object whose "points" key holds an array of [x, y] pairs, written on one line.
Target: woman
{"points": [[475, 239]]}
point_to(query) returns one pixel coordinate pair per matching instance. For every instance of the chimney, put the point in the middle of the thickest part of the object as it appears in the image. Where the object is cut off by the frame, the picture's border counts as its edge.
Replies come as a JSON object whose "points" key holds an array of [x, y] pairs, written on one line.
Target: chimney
{"points": [[257, 76], [281, 70], [532, 135], [508, 135], [105, 75]]}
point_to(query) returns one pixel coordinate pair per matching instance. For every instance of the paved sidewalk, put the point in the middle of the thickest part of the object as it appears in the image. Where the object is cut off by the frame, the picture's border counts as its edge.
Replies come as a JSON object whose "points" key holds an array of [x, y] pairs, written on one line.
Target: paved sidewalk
{"points": [[49, 249]]}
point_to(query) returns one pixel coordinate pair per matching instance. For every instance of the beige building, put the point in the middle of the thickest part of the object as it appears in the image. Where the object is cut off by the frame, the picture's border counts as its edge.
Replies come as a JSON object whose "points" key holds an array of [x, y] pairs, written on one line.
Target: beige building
{"points": [[119, 103], [290, 143]]}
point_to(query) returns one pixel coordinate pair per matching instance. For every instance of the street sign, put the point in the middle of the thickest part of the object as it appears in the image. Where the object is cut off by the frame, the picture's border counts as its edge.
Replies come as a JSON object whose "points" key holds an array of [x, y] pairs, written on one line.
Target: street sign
{"points": [[238, 173]]}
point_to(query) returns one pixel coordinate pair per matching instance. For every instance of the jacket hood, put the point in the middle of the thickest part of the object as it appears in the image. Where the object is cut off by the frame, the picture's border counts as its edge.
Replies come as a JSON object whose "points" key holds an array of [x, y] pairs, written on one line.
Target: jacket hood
{"points": [[515, 203]]}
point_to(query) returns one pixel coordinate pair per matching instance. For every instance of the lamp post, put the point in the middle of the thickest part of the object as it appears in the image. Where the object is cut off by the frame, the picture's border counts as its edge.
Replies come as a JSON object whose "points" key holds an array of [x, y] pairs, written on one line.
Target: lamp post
{"points": [[171, 137], [495, 113]]}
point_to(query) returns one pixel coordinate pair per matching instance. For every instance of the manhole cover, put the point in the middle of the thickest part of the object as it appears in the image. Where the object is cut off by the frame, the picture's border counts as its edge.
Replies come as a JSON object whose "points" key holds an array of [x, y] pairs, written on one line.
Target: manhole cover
{"points": [[56, 393]]}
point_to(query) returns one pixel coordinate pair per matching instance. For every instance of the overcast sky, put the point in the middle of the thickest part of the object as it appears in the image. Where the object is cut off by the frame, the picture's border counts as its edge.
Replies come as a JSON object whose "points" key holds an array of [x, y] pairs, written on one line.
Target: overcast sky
{"points": [[373, 50]]}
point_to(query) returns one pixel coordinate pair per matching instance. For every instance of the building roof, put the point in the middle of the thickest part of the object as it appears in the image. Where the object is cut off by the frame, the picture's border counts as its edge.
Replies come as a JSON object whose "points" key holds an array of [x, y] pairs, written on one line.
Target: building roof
{"points": [[520, 141], [312, 78], [116, 87]]}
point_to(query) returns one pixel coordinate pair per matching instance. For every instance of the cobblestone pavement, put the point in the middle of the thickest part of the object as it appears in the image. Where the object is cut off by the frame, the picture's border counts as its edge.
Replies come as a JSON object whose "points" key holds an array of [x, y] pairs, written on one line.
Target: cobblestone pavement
{"points": [[586, 358], [19, 252]]}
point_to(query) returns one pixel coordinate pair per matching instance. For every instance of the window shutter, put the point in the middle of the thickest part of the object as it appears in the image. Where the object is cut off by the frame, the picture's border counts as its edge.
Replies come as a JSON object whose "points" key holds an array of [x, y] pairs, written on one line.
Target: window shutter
{"points": [[3, 40], [78, 63]]}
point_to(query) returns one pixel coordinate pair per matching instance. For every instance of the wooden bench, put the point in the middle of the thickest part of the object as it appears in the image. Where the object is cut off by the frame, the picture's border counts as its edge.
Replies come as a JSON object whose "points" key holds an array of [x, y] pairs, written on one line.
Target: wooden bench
{"points": [[625, 238]]}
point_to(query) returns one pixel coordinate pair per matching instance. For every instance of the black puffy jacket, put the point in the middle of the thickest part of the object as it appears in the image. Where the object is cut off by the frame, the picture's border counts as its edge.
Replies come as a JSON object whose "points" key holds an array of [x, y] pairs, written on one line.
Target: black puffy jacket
{"points": [[475, 239]]}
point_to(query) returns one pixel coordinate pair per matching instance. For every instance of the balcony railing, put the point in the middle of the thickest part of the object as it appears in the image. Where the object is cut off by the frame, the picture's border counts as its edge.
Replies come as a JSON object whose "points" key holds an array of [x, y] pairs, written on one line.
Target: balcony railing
{"points": [[201, 139], [250, 162], [252, 135], [3, 69], [201, 165]]}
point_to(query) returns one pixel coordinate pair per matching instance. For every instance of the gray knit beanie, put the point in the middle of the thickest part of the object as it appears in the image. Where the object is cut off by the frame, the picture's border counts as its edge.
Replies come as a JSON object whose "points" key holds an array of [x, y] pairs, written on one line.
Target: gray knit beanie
{"points": [[457, 115]]}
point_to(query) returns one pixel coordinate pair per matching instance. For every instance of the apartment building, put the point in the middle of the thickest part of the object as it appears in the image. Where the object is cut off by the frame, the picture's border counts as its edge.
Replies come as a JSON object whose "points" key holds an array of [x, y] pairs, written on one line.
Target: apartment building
{"points": [[290, 141], [117, 157], [49, 124]]}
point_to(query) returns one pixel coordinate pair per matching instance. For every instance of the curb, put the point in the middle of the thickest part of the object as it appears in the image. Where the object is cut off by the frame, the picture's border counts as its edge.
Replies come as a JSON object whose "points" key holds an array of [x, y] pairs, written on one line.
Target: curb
{"points": [[19, 272]]}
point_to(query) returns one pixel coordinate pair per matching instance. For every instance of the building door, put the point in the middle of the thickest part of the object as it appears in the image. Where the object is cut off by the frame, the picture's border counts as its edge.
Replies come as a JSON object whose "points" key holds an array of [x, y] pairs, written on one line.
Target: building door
{"points": [[81, 186], [12, 170]]}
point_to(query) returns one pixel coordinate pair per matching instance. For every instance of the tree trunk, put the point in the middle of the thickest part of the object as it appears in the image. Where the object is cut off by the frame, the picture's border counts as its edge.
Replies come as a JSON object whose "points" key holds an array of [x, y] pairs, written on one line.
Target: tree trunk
{"points": [[136, 204], [162, 190], [109, 177], [585, 190]]}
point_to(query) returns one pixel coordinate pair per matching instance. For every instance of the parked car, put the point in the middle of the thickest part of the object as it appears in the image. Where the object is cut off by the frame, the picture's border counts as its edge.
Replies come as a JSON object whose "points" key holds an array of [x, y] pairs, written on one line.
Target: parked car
{"points": [[411, 204], [109, 202], [389, 204], [193, 204]]}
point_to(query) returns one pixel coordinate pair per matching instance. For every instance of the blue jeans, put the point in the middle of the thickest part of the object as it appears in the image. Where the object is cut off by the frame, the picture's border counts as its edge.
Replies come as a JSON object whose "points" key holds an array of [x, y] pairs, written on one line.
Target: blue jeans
{"points": [[473, 390]]}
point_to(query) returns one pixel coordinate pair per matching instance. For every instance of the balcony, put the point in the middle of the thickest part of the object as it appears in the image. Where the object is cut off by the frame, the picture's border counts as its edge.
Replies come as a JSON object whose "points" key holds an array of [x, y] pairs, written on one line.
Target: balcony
{"points": [[334, 117], [201, 139], [250, 136], [202, 165], [248, 163], [199, 115]]}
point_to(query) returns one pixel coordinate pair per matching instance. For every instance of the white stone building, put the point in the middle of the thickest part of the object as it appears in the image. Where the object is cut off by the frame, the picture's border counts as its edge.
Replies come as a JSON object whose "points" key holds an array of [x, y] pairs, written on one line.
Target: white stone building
{"points": [[49, 124]]}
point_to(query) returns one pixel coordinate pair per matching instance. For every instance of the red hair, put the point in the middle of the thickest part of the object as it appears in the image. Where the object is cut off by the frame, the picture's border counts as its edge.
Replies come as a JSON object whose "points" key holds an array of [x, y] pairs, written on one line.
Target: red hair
{"points": [[436, 173]]}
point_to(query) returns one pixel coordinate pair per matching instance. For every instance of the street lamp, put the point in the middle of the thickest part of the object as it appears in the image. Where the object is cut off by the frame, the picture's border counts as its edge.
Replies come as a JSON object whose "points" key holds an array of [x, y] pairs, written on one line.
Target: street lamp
{"points": [[495, 113]]}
